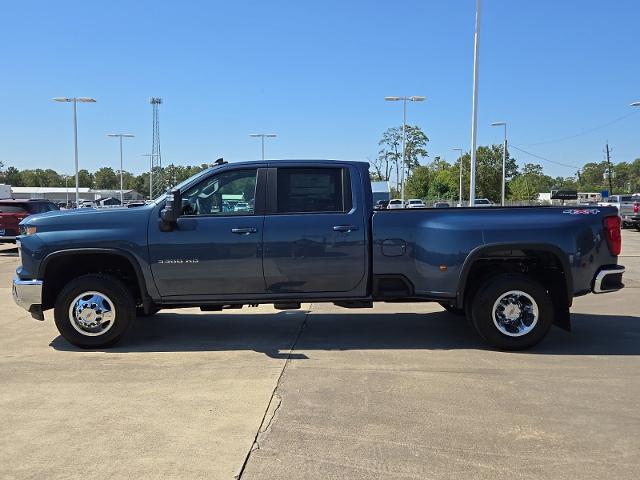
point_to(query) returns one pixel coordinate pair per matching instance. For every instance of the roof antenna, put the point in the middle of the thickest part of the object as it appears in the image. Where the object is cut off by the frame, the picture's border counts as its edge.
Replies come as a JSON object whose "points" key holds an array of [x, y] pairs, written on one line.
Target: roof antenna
{"points": [[219, 161]]}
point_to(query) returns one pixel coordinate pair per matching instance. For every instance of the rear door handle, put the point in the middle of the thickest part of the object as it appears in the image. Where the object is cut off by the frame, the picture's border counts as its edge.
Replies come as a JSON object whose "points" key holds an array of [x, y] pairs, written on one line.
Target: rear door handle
{"points": [[244, 230], [345, 228]]}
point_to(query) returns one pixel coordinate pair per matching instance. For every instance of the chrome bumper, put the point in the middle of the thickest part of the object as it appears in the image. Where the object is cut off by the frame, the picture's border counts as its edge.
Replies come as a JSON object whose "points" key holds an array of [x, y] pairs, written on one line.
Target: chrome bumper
{"points": [[609, 279], [28, 295]]}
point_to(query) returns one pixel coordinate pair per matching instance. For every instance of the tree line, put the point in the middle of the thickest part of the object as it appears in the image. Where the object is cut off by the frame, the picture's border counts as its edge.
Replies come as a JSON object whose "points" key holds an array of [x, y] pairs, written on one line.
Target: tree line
{"points": [[105, 178], [439, 180], [430, 180]]}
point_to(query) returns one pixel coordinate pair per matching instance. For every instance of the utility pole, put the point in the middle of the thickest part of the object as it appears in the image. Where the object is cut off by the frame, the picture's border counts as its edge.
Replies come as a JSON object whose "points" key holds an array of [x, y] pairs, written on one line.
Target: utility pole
{"points": [[609, 166]]}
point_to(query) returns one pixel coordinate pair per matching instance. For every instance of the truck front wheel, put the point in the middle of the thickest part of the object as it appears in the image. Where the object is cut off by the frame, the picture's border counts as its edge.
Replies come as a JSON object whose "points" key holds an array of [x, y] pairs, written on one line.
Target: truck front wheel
{"points": [[512, 311], [94, 311]]}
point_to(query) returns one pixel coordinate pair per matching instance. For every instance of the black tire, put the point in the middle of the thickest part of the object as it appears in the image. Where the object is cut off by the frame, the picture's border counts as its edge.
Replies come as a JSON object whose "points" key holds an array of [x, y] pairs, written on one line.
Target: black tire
{"points": [[482, 312], [451, 309], [107, 286]]}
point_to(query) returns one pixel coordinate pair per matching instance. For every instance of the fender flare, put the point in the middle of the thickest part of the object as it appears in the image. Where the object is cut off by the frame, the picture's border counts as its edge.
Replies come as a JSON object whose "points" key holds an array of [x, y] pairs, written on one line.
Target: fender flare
{"points": [[142, 285], [484, 249]]}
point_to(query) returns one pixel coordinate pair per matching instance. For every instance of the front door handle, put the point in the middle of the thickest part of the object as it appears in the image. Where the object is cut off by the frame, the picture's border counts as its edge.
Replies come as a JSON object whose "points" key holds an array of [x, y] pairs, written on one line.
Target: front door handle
{"points": [[345, 228], [244, 230]]}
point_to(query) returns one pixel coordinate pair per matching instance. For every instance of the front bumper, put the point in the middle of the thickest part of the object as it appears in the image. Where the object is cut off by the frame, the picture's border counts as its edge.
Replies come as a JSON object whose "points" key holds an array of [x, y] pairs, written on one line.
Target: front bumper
{"points": [[28, 295], [608, 279]]}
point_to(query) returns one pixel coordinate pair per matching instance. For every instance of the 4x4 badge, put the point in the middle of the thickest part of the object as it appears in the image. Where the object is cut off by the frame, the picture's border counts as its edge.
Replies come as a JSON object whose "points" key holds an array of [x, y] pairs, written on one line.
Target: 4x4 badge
{"points": [[583, 211]]}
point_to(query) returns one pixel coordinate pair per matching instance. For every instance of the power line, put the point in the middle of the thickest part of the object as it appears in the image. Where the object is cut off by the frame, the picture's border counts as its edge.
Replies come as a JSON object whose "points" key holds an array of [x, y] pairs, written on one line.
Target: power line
{"points": [[543, 158], [585, 132]]}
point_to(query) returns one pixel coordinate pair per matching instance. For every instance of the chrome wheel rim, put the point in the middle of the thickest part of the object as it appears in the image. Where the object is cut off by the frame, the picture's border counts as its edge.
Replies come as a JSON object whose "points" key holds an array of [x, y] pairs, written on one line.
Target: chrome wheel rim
{"points": [[515, 313], [92, 314]]}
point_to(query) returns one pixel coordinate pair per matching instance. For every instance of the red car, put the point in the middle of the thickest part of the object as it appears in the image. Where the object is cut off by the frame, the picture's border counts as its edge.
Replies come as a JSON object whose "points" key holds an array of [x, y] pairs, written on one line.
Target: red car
{"points": [[13, 211]]}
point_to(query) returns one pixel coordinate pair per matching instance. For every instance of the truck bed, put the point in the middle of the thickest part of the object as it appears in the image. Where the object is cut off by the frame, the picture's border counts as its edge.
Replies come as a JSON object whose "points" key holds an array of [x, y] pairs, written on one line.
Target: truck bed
{"points": [[430, 247]]}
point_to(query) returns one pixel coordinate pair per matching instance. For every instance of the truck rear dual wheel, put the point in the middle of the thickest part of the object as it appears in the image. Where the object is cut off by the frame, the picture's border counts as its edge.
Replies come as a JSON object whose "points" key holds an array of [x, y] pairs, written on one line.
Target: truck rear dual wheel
{"points": [[94, 311], [512, 311]]}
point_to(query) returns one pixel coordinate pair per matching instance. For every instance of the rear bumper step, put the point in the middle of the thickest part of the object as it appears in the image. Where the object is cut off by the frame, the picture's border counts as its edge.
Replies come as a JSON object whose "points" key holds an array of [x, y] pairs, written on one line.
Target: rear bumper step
{"points": [[608, 279]]}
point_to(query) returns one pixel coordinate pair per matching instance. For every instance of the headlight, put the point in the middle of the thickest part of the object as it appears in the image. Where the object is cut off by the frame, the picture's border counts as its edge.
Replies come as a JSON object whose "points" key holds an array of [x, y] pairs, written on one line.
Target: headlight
{"points": [[28, 229]]}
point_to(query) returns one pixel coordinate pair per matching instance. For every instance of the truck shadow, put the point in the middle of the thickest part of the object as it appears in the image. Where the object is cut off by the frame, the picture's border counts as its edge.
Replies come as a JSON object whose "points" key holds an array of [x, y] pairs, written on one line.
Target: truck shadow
{"points": [[10, 251], [274, 334]]}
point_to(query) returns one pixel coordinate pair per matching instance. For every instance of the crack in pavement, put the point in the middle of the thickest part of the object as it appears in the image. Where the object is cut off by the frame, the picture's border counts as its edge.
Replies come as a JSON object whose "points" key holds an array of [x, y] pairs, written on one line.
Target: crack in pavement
{"points": [[275, 399]]}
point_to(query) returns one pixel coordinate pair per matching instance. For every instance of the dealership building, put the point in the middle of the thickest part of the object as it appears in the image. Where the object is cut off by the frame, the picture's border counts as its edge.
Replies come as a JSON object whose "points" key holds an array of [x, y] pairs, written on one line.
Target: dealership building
{"points": [[64, 194], [380, 191]]}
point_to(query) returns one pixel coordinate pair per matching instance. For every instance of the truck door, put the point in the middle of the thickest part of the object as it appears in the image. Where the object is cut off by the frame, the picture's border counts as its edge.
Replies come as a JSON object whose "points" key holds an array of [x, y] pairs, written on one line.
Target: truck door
{"points": [[314, 232], [216, 248]]}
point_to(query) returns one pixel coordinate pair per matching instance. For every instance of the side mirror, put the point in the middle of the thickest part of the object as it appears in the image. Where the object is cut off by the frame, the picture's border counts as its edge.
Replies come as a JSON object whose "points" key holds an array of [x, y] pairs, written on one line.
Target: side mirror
{"points": [[171, 211]]}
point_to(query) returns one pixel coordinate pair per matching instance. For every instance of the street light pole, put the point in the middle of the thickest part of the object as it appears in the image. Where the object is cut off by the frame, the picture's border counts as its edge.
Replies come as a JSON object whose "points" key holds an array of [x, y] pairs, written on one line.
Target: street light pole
{"points": [[404, 135], [474, 112], [262, 135], [404, 147], [120, 135], [460, 192], [150, 155], [504, 157], [75, 101], [75, 149]]}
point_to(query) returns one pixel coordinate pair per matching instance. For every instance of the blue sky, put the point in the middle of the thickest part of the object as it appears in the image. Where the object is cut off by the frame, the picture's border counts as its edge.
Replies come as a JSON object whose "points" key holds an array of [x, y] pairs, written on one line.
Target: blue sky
{"points": [[315, 73]]}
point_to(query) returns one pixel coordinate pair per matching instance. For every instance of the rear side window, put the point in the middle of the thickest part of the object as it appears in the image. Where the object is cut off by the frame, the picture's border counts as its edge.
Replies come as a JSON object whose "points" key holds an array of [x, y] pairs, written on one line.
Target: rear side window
{"points": [[40, 207], [307, 190], [12, 208]]}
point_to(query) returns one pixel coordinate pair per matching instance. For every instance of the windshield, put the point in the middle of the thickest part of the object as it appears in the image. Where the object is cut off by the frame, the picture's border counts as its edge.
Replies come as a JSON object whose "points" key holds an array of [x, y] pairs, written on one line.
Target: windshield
{"points": [[186, 182]]}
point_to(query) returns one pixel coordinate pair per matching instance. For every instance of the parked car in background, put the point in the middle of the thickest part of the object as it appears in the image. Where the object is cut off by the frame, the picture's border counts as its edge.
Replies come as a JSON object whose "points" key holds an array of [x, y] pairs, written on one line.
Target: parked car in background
{"points": [[441, 205], [395, 204], [241, 207], [381, 205], [483, 202], [628, 208], [415, 203], [12, 212]]}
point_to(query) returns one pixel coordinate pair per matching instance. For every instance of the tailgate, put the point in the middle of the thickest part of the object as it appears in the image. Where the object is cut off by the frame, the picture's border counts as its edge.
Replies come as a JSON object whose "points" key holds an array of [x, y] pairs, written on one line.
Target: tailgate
{"points": [[626, 209], [9, 224]]}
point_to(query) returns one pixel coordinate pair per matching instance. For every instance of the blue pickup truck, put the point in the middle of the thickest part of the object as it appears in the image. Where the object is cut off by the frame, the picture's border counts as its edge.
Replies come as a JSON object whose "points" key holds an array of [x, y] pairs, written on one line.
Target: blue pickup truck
{"points": [[286, 232]]}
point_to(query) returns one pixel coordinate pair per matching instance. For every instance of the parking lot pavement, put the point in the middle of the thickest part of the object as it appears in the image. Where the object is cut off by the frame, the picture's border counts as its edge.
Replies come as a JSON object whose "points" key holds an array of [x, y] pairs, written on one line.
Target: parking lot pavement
{"points": [[399, 391], [410, 392], [630, 257], [182, 397]]}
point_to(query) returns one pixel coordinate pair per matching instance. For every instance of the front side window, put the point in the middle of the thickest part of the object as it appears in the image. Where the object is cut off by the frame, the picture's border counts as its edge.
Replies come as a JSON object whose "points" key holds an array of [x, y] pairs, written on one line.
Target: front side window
{"points": [[228, 193], [306, 190]]}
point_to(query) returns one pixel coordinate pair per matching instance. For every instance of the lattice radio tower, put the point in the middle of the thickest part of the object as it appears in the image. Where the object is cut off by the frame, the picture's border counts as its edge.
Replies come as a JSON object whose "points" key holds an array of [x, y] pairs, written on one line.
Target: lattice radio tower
{"points": [[158, 186]]}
